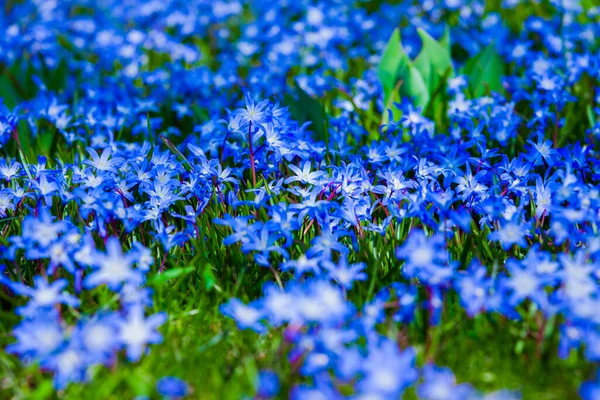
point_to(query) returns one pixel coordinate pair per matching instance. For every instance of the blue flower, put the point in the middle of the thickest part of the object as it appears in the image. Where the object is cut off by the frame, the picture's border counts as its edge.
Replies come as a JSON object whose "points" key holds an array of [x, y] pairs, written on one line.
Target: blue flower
{"points": [[102, 163], [473, 287], [136, 332], [426, 258], [345, 275], [590, 390], [387, 371], [511, 233], [541, 152], [113, 268], [172, 387], [440, 384], [253, 113], [44, 296], [37, 338], [69, 364], [246, 316], [304, 175], [268, 385]]}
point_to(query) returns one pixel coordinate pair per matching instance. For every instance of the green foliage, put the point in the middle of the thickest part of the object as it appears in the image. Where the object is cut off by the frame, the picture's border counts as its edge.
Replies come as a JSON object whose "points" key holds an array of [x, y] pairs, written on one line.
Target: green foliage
{"points": [[399, 77], [485, 72], [305, 108], [8, 92], [420, 79], [434, 62], [391, 65], [445, 40], [221, 362], [170, 274]]}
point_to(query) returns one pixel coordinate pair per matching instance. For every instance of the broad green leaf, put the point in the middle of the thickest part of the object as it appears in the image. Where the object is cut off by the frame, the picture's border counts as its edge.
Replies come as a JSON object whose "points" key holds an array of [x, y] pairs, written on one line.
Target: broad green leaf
{"points": [[394, 97], [400, 78], [484, 72], [445, 40], [434, 62], [392, 64], [414, 87], [437, 53], [418, 79], [165, 276], [424, 67]]}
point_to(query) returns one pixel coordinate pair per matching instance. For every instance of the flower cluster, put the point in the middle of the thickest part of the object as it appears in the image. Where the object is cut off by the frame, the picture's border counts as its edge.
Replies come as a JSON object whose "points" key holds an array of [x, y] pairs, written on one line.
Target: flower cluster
{"points": [[139, 135], [48, 334]]}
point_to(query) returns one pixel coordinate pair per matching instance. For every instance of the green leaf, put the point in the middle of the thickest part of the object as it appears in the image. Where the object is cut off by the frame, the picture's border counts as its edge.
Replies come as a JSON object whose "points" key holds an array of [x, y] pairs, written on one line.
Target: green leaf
{"points": [[8, 93], [437, 53], [587, 4], [434, 62], [304, 108], [590, 114], [165, 276], [414, 86], [209, 277], [423, 66], [189, 167], [485, 71], [251, 370], [48, 139], [445, 40], [392, 65], [519, 346], [418, 79], [200, 114], [139, 382], [43, 391], [25, 139], [58, 76]]}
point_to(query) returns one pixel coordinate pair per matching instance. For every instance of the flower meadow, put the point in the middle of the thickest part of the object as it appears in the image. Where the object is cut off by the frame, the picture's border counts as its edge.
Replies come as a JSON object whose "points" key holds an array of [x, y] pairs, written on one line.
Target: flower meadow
{"points": [[244, 199]]}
